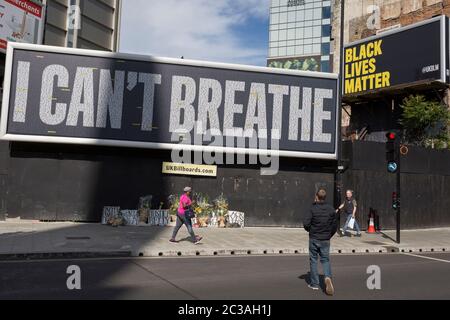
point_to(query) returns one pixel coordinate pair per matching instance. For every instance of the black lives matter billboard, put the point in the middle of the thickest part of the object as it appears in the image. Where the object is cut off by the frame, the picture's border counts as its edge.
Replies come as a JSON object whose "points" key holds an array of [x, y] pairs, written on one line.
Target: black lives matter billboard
{"points": [[63, 95], [405, 56]]}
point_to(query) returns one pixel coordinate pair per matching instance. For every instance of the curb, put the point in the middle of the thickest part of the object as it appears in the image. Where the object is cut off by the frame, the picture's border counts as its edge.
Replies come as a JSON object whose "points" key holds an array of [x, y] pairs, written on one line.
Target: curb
{"points": [[290, 251], [64, 255], [214, 253]]}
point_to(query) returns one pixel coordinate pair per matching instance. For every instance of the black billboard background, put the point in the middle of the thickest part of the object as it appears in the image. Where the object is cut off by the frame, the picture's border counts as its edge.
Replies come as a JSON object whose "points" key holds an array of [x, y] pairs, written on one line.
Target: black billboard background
{"points": [[131, 114], [407, 52]]}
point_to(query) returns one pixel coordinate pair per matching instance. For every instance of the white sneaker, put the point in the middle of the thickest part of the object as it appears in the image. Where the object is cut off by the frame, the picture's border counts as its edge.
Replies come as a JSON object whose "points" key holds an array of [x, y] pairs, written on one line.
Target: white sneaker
{"points": [[329, 289]]}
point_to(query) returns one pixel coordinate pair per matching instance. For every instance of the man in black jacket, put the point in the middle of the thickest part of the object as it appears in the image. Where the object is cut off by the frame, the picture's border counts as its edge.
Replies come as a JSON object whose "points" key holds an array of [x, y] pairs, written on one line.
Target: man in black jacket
{"points": [[321, 222]]}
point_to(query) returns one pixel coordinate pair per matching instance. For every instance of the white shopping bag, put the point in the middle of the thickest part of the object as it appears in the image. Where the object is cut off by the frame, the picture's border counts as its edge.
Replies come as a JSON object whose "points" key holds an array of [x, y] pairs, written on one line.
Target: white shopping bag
{"points": [[351, 223]]}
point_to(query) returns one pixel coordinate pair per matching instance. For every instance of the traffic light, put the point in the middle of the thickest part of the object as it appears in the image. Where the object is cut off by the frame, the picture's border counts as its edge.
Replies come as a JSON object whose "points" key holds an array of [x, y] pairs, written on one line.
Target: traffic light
{"points": [[391, 152], [395, 201]]}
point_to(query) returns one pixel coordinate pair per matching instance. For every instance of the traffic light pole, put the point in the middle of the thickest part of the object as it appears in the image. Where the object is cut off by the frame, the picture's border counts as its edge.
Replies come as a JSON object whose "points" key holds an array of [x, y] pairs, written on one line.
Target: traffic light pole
{"points": [[393, 166]]}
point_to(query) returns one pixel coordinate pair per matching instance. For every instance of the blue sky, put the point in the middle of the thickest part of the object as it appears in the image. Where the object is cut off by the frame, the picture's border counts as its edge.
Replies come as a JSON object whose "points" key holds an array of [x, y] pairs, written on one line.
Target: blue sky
{"points": [[234, 31]]}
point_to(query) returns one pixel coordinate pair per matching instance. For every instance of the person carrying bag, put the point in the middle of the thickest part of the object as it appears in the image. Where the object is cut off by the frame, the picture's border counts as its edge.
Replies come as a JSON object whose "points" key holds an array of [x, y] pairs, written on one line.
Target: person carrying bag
{"points": [[184, 215], [349, 207]]}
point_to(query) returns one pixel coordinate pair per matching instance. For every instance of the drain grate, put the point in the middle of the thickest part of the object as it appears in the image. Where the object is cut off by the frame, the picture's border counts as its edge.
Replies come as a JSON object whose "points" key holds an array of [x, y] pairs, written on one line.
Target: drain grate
{"points": [[78, 238], [392, 249]]}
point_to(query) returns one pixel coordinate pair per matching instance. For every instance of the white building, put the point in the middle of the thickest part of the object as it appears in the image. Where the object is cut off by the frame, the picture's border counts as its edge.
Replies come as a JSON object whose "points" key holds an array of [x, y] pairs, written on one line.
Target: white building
{"points": [[300, 35]]}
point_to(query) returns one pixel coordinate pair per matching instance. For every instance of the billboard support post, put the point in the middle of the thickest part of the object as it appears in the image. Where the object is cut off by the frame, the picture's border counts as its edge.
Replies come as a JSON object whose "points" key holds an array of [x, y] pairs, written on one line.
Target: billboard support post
{"points": [[398, 178], [338, 187]]}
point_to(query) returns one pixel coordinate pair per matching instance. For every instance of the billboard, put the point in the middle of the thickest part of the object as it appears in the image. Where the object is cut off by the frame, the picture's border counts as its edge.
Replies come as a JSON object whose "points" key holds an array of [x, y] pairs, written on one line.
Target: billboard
{"points": [[298, 63], [64, 95], [20, 21], [409, 55]]}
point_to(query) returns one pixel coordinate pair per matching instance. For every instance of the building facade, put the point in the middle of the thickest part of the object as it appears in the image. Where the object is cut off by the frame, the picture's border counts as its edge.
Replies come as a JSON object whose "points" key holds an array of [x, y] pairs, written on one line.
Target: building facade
{"points": [[300, 35], [98, 27], [85, 24]]}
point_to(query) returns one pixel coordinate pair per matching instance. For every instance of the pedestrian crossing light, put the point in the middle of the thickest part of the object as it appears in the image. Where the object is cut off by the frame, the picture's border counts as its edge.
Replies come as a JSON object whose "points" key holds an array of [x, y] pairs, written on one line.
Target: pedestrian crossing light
{"points": [[391, 154], [395, 201]]}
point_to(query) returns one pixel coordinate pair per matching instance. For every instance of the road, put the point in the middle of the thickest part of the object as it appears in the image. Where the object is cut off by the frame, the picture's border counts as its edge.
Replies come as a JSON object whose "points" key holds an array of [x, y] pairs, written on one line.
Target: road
{"points": [[424, 276]]}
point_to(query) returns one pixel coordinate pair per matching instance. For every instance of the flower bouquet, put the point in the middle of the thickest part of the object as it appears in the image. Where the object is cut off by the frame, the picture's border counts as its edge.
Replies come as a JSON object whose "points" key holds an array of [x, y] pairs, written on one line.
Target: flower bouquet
{"points": [[221, 210], [174, 203], [202, 209]]}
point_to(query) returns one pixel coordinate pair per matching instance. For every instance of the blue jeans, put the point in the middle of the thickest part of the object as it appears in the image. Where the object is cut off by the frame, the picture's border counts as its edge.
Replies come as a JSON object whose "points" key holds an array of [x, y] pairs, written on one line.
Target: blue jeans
{"points": [[181, 219], [344, 230], [319, 248]]}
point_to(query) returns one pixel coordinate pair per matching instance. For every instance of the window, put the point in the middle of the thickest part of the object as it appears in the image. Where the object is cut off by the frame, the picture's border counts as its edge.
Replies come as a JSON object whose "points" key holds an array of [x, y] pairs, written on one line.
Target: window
{"points": [[283, 35], [308, 15], [326, 31], [273, 35], [326, 48], [291, 16], [308, 49], [275, 18], [317, 13], [316, 49], [316, 31], [298, 50], [273, 52], [290, 51], [291, 34], [325, 66], [308, 32], [326, 12]]}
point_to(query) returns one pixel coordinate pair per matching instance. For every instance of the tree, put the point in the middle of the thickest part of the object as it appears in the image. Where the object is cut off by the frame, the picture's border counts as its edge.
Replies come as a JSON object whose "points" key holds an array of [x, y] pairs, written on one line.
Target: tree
{"points": [[425, 122]]}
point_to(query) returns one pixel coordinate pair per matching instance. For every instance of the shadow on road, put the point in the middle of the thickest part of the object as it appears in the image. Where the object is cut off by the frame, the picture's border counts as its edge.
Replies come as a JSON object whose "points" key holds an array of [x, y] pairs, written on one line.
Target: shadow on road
{"points": [[307, 278]]}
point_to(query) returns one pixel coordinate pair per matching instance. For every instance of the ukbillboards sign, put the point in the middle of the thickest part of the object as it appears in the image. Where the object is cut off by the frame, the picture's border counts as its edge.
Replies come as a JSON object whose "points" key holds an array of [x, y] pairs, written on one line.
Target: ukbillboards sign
{"points": [[20, 21], [405, 56], [64, 95]]}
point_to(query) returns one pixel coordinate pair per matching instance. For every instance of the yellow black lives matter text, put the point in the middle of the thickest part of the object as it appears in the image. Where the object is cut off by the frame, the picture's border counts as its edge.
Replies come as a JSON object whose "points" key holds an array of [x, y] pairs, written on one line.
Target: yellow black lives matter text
{"points": [[361, 68]]}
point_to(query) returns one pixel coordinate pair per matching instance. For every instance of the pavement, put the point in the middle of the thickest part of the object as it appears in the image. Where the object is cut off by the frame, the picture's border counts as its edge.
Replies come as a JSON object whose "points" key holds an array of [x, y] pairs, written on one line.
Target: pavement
{"points": [[21, 239], [258, 278]]}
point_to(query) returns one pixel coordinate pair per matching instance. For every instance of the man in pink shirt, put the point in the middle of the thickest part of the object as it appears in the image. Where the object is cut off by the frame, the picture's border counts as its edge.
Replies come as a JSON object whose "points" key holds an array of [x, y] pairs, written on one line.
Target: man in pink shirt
{"points": [[185, 204]]}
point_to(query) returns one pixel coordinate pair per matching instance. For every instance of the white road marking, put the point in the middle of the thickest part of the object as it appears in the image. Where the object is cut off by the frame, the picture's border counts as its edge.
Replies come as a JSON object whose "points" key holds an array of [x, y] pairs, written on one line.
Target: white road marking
{"points": [[425, 257]]}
